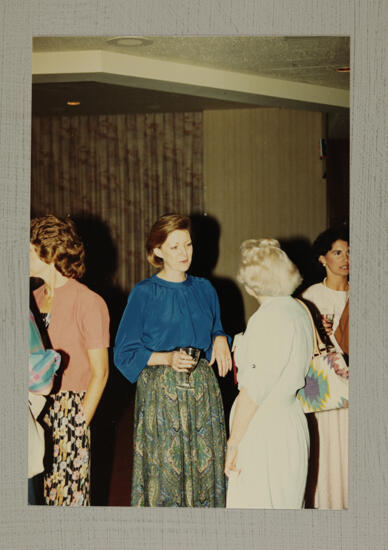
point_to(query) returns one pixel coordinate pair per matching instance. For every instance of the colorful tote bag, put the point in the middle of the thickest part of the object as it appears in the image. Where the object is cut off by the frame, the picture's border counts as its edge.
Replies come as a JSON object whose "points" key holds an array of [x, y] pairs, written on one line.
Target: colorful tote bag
{"points": [[327, 379], [42, 364]]}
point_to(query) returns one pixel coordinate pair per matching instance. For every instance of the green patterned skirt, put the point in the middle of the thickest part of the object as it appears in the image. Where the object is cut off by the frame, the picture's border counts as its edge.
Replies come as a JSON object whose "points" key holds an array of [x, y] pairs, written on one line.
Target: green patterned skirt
{"points": [[179, 439]]}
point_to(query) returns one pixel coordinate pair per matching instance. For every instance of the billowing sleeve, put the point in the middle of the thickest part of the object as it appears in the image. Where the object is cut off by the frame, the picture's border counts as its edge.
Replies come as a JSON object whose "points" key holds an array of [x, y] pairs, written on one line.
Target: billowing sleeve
{"points": [[268, 342], [130, 353]]}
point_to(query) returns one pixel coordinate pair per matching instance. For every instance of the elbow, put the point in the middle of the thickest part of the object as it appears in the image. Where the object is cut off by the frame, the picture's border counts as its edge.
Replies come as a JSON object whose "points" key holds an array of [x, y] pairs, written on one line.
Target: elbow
{"points": [[105, 372], [101, 375], [105, 375]]}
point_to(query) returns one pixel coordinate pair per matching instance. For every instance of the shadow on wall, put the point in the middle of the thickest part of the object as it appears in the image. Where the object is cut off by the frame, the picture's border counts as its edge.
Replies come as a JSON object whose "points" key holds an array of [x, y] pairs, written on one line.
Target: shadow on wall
{"points": [[300, 251], [206, 235], [101, 266]]}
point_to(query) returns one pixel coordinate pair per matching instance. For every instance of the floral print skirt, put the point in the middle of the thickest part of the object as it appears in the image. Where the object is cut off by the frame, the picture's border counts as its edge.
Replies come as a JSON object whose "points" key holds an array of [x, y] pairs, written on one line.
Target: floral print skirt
{"points": [[179, 439], [67, 481]]}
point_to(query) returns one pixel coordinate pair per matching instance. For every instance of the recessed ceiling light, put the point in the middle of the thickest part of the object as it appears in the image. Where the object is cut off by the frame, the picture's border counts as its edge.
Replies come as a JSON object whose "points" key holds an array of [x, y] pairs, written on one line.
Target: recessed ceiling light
{"points": [[73, 103], [130, 41], [343, 70]]}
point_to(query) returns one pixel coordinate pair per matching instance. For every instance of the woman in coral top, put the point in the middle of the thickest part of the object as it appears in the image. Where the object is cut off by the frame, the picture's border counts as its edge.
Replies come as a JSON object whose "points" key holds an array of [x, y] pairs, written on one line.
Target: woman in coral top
{"points": [[77, 322]]}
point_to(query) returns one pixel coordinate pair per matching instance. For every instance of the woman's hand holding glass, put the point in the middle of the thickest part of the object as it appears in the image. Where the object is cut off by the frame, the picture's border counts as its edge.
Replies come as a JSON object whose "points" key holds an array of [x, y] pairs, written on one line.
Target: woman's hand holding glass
{"points": [[327, 322], [180, 361], [221, 354]]}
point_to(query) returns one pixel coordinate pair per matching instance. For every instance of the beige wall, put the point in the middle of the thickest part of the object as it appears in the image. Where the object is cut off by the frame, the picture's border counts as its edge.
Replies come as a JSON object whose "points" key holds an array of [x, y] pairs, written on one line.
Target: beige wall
{"points": [[263, 178]]}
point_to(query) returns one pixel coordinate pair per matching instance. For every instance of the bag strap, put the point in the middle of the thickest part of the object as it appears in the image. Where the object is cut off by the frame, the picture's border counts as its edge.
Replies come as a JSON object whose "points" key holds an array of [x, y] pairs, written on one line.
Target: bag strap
{"points": [[319, 346]]}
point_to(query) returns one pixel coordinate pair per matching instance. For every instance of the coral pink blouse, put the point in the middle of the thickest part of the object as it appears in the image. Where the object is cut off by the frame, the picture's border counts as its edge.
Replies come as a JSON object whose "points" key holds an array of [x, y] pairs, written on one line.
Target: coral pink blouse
{"points": [[79, 321]]}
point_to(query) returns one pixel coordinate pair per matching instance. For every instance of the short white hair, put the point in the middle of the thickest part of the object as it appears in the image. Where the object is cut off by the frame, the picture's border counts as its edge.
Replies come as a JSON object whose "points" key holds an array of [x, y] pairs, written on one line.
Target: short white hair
{"points": [[266, 269]]}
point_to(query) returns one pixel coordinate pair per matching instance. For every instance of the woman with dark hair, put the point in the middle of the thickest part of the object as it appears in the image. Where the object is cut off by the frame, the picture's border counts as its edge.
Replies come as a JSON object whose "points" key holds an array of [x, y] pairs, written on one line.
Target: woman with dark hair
{"points": [[77, 322], [331, 249], [179, 432]]}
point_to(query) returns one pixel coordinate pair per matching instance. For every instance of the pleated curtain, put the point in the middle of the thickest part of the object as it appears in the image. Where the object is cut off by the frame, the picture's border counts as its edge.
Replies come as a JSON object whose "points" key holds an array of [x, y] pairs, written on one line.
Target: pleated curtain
{"points": [[121, 170]]}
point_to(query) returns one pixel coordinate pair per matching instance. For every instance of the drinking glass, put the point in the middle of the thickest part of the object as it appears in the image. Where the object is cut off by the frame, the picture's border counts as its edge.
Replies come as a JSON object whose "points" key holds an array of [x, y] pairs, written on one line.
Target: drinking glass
{"points": [[329, 318], [184, 377]]}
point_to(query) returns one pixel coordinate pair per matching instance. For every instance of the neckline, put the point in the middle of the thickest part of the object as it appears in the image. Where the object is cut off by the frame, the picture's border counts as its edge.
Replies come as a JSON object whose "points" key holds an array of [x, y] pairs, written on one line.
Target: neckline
{"points": [[333, 289], [171, 284]]}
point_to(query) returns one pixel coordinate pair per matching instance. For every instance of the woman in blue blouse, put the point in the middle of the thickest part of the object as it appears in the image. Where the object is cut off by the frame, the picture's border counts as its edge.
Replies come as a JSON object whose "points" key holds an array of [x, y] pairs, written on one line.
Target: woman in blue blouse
{"points": [[179, 432]]}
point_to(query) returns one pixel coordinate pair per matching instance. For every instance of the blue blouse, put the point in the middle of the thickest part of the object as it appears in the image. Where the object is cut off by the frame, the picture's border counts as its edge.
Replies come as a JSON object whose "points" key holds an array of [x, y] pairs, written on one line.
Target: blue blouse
{"points": [[162, 316]]}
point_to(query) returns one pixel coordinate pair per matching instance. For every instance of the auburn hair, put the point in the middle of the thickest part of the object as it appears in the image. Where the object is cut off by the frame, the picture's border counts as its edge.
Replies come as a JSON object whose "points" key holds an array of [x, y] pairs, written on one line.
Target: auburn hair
{"points": [[56, 241], [160, 231]]}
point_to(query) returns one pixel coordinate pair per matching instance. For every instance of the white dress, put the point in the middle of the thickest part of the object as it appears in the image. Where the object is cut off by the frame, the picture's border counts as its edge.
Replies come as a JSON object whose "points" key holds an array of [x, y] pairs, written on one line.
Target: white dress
{"points": [[332, 477], [272, 358]]}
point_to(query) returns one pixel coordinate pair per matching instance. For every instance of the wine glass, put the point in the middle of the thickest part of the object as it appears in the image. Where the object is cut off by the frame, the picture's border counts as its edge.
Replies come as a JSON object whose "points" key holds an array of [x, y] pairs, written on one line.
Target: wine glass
{"points": [[329, 318], [184, 377]]}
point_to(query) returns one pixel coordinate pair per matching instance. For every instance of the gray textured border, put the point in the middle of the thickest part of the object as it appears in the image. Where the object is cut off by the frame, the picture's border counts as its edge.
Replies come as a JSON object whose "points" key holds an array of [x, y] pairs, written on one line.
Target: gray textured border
{"points": [[363, 526]]}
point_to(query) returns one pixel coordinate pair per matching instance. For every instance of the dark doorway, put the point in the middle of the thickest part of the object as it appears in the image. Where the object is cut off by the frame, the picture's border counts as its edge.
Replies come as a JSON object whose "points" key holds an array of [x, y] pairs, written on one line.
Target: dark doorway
{"points": [[337, 170]]}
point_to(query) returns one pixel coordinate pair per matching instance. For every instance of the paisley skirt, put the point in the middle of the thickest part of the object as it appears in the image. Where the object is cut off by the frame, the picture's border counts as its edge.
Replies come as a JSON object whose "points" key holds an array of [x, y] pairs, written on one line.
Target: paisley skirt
{"points": [[67, 481], [179, 439]]}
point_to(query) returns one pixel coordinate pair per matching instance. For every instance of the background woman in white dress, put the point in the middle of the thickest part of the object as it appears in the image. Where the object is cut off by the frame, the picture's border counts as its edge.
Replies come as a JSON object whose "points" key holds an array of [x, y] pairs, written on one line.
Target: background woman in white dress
{"points": [[331, 248], [267, 455]]}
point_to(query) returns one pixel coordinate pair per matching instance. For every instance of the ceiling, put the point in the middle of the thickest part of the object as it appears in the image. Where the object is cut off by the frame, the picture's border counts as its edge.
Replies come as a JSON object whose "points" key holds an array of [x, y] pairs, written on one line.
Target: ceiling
{"points": [[97, 98], [311, 60]]}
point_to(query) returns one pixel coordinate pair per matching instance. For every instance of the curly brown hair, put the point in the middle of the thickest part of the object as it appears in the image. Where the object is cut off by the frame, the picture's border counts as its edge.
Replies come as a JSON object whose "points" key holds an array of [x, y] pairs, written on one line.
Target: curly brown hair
{"points": [[160, 231], [56, 240]]}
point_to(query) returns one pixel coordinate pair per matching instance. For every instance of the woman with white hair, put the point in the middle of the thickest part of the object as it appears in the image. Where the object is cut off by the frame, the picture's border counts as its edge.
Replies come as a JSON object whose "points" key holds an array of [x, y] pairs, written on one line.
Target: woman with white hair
{"points": [[268, 448]]}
